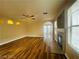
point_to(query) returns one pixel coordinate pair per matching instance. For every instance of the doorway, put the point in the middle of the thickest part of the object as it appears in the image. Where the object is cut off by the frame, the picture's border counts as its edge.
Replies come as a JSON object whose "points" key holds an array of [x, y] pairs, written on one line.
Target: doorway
{"points": [[48, 33]]}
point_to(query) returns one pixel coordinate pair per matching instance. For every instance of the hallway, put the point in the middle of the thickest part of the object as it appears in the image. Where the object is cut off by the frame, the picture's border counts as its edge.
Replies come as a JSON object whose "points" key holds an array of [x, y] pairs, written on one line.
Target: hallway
{"points": [[39, 29], [28, 48]]}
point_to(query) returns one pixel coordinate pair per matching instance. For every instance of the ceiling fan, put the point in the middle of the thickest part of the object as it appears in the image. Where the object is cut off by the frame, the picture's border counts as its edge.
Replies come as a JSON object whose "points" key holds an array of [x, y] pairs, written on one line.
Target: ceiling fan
{"points": [[25, 15], [28, 16]]}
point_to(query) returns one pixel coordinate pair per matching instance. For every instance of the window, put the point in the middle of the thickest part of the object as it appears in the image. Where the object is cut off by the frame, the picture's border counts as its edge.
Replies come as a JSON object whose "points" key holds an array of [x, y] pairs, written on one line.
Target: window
{"points": [[75, 37], [73, 28], [75, 18]]}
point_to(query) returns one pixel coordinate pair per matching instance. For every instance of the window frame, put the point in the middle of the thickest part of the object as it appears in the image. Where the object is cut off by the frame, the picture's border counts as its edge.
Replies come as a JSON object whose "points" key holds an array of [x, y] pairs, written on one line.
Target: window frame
{"points": [[70, 27]]}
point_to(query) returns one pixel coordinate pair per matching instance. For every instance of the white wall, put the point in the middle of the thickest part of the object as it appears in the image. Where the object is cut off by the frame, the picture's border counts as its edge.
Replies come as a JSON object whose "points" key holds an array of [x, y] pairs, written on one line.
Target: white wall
{"points": [[35, 29], [12, 32]]}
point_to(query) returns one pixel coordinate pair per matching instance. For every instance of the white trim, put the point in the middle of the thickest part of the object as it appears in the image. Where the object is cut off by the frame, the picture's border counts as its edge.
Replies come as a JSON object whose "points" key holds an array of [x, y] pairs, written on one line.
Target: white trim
{"points": [[33, 36], [66, 56], [12, 40]]}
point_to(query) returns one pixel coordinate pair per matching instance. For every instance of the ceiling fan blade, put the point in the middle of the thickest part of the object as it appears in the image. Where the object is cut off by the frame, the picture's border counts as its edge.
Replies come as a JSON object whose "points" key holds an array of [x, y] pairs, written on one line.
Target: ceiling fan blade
{"points": [[25, 15]]}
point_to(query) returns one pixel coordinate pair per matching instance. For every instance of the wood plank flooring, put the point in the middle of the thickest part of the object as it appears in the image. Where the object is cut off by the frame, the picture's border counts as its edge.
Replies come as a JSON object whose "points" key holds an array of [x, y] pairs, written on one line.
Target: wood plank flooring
{"points": [[27, 48]]}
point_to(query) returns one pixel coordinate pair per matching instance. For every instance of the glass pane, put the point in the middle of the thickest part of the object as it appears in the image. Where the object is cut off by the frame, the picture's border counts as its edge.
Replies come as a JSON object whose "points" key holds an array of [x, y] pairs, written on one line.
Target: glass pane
{"points": [[75, 37], [75, 18], [45, 29]]}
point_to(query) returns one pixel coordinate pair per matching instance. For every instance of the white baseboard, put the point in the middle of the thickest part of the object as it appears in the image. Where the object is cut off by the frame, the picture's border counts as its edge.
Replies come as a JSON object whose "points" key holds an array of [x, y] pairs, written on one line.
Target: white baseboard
{"points": [[33, 36], [66, 56], [17, 38]]}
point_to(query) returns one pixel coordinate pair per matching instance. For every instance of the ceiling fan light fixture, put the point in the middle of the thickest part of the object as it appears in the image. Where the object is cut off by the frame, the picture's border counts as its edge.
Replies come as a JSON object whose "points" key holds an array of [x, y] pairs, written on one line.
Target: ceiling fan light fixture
{"points": [[32, 16], [45, 13]]}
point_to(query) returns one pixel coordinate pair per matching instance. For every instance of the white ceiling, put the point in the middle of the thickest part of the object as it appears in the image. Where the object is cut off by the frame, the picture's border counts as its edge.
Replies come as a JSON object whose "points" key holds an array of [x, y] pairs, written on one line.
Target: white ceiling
{"points": [[16, 8]]}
